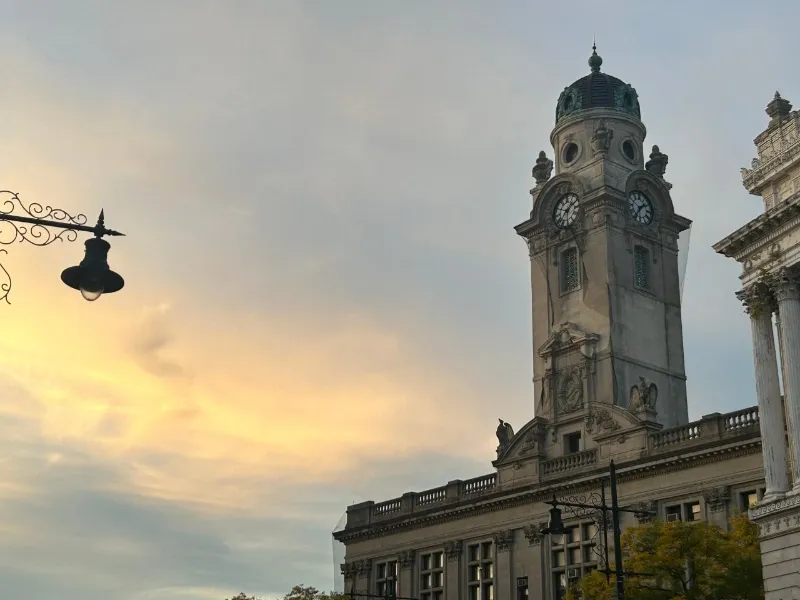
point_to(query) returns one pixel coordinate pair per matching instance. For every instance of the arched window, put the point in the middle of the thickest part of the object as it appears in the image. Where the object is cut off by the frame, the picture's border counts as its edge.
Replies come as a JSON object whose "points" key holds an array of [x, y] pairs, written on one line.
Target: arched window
{"points": [[570, 274], [641, 262]]}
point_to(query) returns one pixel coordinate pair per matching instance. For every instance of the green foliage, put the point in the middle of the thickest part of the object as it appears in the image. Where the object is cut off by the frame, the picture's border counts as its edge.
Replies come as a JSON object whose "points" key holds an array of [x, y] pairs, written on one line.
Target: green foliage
{"points": [[684, 561], [299, 592]]}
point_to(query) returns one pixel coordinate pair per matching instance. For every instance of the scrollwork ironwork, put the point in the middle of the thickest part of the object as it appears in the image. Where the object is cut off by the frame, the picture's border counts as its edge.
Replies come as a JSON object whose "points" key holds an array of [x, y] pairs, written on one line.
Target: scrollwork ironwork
{"points": [[34, 227], [590, 507]]}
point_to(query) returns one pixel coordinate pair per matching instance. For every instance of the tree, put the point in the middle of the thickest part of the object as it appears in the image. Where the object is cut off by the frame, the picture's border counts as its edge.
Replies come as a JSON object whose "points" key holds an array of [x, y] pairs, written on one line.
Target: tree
{"points": [[299, 592], [684, 561]]}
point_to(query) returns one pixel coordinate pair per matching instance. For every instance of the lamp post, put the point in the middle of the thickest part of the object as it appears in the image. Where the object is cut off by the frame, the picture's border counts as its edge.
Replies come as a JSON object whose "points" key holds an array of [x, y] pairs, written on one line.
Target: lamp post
{"points": [[591, 506], [41, 226]]}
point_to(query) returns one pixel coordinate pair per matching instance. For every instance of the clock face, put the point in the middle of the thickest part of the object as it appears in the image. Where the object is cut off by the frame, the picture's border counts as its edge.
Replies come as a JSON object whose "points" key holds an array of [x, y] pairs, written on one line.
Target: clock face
{"points": [[641, 207], [566, 211]]}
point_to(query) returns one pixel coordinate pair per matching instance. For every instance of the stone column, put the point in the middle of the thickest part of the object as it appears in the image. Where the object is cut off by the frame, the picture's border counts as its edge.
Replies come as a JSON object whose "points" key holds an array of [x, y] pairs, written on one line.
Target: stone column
{"points": [[406, 587], [503, 543], [452, 573], [786, 286], [759, 305], [782, 352]]}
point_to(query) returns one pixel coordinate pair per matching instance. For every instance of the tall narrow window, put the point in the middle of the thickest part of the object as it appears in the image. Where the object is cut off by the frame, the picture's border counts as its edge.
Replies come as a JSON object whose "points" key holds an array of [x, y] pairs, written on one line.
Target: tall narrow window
{"points": [[480, 572], [431, 576], [569, 270], [641, 259], [573, 556], [386, 578]]}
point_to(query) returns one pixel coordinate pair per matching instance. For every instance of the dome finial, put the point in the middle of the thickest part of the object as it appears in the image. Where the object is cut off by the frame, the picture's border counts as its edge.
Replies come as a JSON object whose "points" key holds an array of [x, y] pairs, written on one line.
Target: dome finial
{"points": [[594, 60]]}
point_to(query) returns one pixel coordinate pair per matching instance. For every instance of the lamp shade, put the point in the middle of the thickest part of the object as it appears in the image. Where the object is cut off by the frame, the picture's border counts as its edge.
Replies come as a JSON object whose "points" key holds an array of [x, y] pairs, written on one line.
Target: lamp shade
{"points": [[93, 277]]}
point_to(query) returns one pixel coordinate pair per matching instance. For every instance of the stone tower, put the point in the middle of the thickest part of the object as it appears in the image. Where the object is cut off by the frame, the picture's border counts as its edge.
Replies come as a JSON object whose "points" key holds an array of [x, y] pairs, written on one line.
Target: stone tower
{"points": [[602, 238]]}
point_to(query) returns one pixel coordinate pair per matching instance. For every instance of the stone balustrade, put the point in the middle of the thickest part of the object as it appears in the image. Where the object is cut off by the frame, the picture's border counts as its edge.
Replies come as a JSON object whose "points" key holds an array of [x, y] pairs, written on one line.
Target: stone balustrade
{"points": [[711, 428]]}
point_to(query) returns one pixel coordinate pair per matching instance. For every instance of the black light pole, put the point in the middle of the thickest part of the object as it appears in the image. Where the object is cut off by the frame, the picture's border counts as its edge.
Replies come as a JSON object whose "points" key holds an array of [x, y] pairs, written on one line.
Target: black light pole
{"points": [[589, 507], [92, 277]]}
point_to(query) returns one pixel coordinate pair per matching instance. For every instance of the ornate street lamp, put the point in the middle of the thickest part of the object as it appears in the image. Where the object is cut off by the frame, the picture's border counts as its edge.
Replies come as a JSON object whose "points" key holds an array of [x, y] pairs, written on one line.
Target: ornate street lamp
{"points": [[595, 506], [92, 277]]}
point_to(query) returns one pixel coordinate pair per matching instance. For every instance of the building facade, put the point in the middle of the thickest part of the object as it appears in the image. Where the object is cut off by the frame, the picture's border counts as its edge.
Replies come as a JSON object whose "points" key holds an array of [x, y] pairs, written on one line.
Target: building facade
{"points": [[768, 248], [609, 385]]}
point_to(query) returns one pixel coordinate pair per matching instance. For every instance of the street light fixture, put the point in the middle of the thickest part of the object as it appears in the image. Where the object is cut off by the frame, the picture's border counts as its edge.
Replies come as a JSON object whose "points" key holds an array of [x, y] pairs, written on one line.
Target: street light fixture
{"points": [[590, 508], [92, 277]]}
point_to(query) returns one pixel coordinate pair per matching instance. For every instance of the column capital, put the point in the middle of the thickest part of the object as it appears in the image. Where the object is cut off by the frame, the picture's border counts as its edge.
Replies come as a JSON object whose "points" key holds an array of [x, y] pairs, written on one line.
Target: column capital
{"points": [[757, 299], [784, 283]]}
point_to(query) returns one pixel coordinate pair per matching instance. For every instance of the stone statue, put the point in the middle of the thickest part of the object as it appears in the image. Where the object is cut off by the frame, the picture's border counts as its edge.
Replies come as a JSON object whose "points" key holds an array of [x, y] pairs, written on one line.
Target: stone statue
{"points": [[657, 164], [504, 434], [542, 169], [643, 396], [601, 139]]}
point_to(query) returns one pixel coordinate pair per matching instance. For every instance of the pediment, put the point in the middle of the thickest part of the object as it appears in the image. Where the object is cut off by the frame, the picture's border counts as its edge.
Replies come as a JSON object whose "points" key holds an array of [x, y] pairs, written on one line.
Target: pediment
{"points": [[606, 419], [528, 441], [569, 335]]}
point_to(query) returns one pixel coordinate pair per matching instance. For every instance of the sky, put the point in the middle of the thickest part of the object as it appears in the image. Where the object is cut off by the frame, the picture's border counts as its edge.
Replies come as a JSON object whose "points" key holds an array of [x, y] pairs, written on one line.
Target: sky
{"points": [[325, 300]]}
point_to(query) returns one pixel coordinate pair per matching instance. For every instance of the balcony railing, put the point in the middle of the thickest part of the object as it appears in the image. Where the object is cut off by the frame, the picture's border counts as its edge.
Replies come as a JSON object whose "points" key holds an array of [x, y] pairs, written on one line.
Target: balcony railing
{"points": [[711, 428]]}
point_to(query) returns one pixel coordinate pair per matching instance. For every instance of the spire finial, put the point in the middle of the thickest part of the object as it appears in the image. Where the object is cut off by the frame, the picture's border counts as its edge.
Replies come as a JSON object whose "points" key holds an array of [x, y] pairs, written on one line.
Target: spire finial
{"points": [[594, 60]]}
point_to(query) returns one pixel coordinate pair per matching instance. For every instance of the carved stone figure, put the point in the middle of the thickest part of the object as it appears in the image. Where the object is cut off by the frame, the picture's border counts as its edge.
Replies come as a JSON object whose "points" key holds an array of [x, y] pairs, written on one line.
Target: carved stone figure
{"points": [[601, 139], [533, 533], [600, 420], [542, 169], [544, 397], [503, 540], [570, 397], [504, 435], [643, 396], [657, 164], [406, 559], [453, 549], [716, 498]]}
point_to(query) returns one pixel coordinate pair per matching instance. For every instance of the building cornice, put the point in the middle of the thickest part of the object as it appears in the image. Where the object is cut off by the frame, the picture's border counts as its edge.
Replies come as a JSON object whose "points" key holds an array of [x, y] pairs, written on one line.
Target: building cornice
{"points": [[644, 468], [760, 231]]}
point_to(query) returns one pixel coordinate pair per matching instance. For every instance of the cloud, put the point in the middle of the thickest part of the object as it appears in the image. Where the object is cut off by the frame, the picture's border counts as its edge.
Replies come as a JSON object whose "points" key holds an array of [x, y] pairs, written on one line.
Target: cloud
{"points": [[151, 339]]}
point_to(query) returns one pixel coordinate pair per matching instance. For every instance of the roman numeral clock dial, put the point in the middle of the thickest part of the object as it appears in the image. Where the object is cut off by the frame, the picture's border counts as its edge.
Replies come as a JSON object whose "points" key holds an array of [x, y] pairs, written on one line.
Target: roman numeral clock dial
{"points": [[641, 208], [565, 211]]}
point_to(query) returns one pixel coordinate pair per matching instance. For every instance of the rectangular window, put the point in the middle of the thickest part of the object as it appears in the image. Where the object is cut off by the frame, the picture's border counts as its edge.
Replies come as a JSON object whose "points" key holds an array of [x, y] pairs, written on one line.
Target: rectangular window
{"points": [[431, 575], [673, 513], [641, 258], [480, 571], [747, 500], [693, 511], [569, 270], [386, 578], [573, 555], [522, 588], [572, 442]]}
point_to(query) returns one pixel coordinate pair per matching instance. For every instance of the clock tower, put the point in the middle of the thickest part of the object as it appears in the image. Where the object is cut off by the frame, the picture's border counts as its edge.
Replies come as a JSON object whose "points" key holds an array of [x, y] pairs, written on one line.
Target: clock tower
{"points": [[602, 238]]}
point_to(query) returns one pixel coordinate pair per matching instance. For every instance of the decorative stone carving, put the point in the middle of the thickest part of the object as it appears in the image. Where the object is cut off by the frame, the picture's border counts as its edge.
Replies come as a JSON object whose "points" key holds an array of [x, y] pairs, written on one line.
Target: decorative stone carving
{"points": [[757, 299], [566, 336], [784, 283], [600, 420], [453, 549], [547, 382], [533, 438], [503, 540], [643, 396], [349, 570], [505, 433], [657, 164], [533, 533], [363, 567], [570, 390], [716, 498], [645, 511], [406, 559], [601, 138], [543, 169]]}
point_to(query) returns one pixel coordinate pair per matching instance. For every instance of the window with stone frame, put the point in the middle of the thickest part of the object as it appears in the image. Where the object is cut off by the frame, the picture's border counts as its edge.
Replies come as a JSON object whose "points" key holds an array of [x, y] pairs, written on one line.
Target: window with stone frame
{"points": [[522, 588], [431, 575], [480, 571], [570, 270], [386, 578], [641, 264], [573, 555]]}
